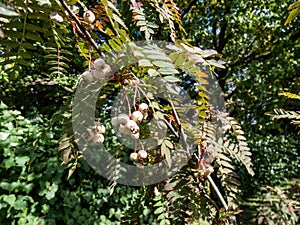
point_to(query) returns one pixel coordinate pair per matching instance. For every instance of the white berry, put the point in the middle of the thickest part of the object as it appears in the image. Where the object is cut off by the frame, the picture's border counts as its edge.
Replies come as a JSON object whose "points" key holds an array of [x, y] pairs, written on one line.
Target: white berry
{"points": [[124, 130], [106, 69], [123, 118], [89, 16], [98, 74], [87, 76], [135, 82], [142, 154], [137, 116], [100, 129], [133, 156], [143, 107], [114, 121], [98, 138], [99, 63], [132, 126]]}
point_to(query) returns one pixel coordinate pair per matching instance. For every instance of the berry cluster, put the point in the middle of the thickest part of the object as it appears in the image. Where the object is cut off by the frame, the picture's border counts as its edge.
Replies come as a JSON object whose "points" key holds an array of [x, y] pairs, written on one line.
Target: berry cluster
{"points": [[96, 133], [140, 155], [99, 71], [128, 125]]}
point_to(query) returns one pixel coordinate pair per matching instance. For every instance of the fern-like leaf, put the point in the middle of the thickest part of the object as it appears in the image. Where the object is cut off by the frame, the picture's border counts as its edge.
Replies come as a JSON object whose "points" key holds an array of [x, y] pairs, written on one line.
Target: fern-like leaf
{"points": [[141, 20], [284, 114], [168, 11], [241, 150]]}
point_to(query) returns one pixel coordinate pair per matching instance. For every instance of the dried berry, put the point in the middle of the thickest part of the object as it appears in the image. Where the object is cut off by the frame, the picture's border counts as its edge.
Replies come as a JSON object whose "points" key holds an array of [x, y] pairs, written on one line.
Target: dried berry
{"points": [[135, 136]]}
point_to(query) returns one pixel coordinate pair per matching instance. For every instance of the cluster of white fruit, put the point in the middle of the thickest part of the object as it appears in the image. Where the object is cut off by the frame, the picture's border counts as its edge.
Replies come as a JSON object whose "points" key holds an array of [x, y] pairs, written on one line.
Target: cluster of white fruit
{"points": [[99, 71], [96, 133], [140, 155], [128, 124]]}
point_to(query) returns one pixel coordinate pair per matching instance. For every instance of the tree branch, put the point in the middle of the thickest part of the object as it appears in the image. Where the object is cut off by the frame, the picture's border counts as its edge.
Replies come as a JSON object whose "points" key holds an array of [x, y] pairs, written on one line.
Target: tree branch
{"points": [[82, 28], [222, 39], [214, 186], [214, 31], [171, 128], [47, 82], [188, 8]]}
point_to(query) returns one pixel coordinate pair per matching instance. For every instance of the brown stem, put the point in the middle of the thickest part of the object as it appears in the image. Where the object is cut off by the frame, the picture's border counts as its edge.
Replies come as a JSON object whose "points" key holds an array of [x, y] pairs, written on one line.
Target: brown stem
{"points": [[82, 28]]}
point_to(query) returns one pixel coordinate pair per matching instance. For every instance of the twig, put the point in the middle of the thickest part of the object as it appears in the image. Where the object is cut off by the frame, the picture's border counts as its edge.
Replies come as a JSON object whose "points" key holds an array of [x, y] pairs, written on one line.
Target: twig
{"points": [[175, 114], [171, 128], [212, 201], [179, 124], [48, 82], [211, 181], [82, 28]]}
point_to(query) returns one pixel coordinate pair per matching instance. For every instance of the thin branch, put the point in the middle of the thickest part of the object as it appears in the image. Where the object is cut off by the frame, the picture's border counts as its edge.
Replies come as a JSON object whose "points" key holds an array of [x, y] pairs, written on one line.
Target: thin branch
{"points": [[211, 181], [82, 28], [171, 128], [222, 39], [222, 35], [212, 201], [47, 82], [182, 133], [175, 114]]}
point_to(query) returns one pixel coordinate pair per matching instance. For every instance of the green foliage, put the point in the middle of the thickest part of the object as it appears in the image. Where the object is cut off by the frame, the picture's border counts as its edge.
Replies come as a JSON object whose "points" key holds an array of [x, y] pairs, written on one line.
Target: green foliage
{"points": [[35, 50], [276, 205], [34, 189], [7, 10], [262, 60], [282, 211], [23, 35], [29, 168], [274, 165]]}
